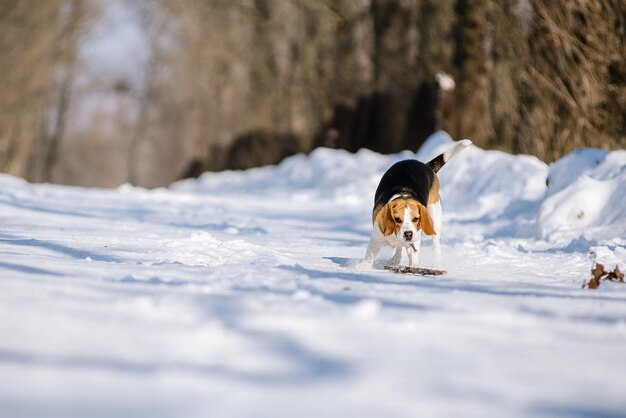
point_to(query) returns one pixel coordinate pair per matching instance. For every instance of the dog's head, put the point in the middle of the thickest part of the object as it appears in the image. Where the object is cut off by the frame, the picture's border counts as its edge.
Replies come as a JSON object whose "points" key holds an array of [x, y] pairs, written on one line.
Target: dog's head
{"points": [[403, 218]]}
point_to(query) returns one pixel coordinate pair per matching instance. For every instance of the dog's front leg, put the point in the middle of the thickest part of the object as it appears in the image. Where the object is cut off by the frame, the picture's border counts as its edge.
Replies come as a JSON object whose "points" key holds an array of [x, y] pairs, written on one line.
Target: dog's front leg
{"points": [[437, 251], [397, 257], [413, 251], [373, 248], [435, 213]]}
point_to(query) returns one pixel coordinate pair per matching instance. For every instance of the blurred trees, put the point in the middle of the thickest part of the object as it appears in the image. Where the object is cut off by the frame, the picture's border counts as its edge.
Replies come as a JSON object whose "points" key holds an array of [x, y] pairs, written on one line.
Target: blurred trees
{"points": [[38, 55], [233, 84], [573, 88], [350, 74]]}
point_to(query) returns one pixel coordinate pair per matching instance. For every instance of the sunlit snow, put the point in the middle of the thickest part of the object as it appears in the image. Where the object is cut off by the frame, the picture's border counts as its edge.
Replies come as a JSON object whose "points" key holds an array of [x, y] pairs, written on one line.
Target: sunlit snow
{"points": [[234, 295]]}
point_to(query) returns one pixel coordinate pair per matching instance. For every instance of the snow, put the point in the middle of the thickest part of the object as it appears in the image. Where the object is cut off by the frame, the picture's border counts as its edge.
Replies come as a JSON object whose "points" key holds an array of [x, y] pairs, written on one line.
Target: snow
{"points": [[586, 197], [445, 81], [233, 295]]}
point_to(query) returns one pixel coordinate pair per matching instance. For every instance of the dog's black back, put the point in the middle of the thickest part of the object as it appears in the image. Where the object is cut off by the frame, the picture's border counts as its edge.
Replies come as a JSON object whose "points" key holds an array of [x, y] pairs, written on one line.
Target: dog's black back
{"points": [[407, 177]]}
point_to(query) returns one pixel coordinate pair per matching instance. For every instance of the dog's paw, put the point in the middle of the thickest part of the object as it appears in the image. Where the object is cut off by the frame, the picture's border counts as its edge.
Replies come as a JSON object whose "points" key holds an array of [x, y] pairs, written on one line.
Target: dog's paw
{"points": [[364, 265], [393, 261], [396, 258]]}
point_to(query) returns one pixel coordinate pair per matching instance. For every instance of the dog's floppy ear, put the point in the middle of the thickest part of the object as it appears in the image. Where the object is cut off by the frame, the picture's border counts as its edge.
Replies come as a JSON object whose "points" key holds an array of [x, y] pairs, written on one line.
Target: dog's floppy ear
{"points": [[384, 220], [426, 221]]}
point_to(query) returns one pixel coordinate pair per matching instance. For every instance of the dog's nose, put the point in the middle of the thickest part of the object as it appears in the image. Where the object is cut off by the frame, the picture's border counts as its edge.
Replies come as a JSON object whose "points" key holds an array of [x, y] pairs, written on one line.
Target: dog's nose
{"points": [[408, 235]]}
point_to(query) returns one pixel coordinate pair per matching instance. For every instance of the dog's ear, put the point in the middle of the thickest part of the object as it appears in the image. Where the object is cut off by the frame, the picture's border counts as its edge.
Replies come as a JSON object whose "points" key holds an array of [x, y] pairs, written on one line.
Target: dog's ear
{"points": [[426, 221], [385, 221]]}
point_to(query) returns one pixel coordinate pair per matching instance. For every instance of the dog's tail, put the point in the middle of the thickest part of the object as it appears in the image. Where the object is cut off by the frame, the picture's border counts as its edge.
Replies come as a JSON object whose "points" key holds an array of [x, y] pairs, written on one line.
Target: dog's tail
{"points": [[439, 161]]}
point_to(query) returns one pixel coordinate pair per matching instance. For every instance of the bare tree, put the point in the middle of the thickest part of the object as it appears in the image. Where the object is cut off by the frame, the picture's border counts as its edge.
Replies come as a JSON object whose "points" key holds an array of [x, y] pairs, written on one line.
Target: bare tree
{"points": [[27, 35], [70, 33], [38, 49]]}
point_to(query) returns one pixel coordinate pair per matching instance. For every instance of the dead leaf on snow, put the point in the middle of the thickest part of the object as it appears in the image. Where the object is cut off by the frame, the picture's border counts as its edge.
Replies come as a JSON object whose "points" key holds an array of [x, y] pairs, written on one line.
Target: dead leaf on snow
{"points": [[598, 275]]}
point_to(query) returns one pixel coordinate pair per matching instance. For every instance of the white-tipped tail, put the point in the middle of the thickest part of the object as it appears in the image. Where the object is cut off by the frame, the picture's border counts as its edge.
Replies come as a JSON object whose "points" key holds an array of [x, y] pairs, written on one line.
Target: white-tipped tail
{"points": [[455, 149]]}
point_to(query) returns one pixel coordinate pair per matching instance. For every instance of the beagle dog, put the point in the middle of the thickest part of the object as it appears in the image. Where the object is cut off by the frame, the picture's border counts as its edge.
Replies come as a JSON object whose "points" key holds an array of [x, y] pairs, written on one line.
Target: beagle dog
{"points": [[407, 202]]}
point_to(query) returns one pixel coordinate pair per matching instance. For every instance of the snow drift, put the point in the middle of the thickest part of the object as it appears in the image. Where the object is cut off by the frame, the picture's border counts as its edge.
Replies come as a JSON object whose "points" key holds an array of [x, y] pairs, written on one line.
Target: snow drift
{"points": [[586, 197]]}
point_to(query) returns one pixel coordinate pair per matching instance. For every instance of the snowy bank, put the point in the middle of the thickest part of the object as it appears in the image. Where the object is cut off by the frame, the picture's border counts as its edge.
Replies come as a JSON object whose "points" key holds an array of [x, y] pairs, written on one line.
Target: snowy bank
{"points": [[586, 197]]}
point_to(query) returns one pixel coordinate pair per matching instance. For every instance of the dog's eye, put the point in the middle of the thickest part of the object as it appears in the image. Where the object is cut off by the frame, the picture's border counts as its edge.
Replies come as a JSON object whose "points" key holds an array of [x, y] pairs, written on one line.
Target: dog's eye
{"points": [[398, 220], [415, 219]]}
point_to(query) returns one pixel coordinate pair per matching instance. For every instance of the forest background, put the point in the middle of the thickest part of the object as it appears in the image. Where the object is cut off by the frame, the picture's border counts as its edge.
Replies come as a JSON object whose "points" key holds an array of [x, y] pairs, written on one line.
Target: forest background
{"points": [[100, 93]]}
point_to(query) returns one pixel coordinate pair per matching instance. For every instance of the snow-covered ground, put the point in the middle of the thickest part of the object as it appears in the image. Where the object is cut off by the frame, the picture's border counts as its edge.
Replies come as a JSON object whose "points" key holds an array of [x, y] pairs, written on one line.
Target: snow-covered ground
{"points": [[234, 295]]}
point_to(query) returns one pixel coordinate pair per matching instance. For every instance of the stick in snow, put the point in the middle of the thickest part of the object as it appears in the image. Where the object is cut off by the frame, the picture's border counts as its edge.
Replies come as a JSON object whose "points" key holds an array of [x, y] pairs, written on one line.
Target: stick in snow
{"points": [[416, 270]]}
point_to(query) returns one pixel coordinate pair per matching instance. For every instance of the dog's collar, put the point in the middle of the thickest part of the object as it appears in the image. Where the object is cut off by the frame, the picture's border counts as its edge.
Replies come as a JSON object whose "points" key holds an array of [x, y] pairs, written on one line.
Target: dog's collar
{"points": [[399, 196]]}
